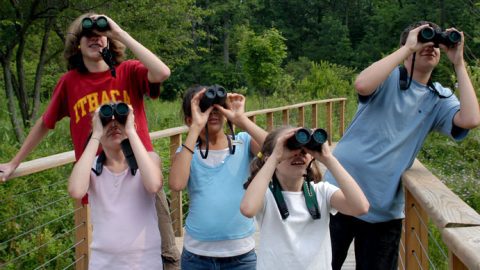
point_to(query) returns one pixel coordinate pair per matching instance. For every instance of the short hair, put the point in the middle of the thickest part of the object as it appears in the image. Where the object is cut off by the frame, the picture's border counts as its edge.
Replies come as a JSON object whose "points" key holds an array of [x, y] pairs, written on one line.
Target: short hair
{"points": [[404, 35], [72, 53]]}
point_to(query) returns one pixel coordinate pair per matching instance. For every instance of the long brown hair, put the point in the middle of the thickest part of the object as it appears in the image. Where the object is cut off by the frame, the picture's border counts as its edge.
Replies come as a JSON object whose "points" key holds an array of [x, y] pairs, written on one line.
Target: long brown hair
{"points": [[267, 149], [72, 53]]}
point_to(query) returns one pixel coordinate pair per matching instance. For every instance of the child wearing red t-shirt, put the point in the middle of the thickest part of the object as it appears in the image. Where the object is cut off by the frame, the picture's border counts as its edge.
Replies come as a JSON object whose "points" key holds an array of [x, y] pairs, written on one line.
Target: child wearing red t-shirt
{"points": [[89, 83]]}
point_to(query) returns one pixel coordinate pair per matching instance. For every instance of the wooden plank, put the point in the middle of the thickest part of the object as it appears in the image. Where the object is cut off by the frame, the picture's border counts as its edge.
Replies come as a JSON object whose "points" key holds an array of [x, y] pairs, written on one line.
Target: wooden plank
{"points": [[286, 117], [290, 107], [301, 117], [269, 121], [328, 121], [314, 115], [341, 127], [443, 206], [465, 244], [83, 235], [416, 234], [176, 209], [45, 163]]}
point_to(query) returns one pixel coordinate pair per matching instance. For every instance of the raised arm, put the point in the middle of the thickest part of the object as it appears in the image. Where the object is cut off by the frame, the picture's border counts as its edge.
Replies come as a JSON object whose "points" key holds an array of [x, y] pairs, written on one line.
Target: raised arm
{"points": [[79, 179], [370, 78], [180, 167], [349, 199], [236, 114], [36, 135], [148, 162], [253, 198], [469, 115], [157, 70]]}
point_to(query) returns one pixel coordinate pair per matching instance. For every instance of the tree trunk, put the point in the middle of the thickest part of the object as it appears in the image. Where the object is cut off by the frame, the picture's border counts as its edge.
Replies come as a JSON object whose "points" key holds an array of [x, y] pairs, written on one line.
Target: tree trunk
{"points": [[7, 75], [22, 92], [40, 68]]}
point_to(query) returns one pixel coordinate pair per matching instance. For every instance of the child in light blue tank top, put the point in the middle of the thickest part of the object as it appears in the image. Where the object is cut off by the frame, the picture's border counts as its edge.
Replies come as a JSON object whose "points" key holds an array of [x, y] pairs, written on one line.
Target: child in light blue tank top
{"points": [[213, 166]]}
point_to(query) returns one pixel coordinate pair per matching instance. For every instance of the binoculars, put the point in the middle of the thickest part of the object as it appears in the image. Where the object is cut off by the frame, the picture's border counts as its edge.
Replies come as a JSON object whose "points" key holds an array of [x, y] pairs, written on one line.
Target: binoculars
{"points": [[307, 138], [99, 24], [437, 36], [215, 94], [118, 110]]}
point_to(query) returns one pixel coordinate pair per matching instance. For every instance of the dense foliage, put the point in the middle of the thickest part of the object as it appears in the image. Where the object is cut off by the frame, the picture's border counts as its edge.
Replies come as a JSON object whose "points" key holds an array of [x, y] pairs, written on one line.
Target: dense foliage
{"points": [[290, 51]]}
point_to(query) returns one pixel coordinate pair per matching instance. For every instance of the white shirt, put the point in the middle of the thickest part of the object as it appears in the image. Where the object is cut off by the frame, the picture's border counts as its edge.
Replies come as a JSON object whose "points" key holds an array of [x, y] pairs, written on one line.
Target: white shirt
{"points": [[298, 242]]}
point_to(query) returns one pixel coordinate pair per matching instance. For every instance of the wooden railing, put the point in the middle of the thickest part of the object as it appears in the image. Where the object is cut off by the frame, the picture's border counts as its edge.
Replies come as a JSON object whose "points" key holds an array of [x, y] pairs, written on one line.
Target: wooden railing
{"points": [[426, 197]]}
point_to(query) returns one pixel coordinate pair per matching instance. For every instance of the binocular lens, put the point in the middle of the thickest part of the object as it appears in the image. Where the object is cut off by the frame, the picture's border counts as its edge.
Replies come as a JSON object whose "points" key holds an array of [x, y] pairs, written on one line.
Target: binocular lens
{"points": [[302, 136], [221, 92], [87, 23], [319, 135], [427, 34], [454, 36], [121, 108], [106, 110], [102, 23]]}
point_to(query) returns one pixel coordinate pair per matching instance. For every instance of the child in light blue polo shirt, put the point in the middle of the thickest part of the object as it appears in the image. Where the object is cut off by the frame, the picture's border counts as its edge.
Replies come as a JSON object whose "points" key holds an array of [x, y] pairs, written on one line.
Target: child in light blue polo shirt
{"points": [[213, 166], [395, 114]]}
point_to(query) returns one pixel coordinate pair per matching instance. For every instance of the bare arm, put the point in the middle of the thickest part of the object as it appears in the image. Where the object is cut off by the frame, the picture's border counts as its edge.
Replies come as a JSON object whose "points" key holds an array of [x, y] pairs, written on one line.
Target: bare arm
{"points": [[180, 167], [79, 180], [157, 70], [236, 114], [469, 115], [148, 162], [370, 78], [349, 199], [36, 135]]}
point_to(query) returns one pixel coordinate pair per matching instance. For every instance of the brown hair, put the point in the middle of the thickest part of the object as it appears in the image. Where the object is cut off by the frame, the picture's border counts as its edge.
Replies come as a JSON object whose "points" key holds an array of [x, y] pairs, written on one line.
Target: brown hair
{"points": [[267, 149], [187, 98], [72, 53], [404, 35]]}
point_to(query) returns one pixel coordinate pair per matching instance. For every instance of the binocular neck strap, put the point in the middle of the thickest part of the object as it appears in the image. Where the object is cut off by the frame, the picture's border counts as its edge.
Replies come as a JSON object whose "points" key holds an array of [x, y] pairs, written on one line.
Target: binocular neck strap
{"points": [[231, 147], [108, 58], [308, 192], [411, 75]]}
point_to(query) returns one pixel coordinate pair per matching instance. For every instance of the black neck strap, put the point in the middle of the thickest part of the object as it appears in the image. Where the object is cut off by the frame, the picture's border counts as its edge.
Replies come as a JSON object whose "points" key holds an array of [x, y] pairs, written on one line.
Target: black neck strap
{"points": [[231, 147]]}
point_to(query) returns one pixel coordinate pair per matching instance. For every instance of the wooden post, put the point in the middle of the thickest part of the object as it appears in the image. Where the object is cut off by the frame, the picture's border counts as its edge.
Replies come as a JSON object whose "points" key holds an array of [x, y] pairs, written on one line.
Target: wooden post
{"points": [[269, 121], [341, 127], [416, 235], [301, 117], [455, 262], [176, 210], [83, 234], [285, 117], [328, 121], [253, 118], [314, 115]]}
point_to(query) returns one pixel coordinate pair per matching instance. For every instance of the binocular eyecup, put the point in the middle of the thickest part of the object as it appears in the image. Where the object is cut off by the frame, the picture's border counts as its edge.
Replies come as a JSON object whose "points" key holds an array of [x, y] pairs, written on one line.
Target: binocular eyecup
{"points": [[304, 137], [118, 110], [437, 36], [100, 24], [215, 94]]}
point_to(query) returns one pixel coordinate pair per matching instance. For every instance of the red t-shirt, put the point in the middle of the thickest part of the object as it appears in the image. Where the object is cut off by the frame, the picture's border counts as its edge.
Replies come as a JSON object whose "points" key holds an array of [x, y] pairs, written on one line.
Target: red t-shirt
{"points": [[77, 95]]}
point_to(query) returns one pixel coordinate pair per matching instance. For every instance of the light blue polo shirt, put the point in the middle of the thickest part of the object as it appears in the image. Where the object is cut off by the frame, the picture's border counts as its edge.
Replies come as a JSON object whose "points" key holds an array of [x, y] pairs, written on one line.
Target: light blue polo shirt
{"points": [[215, 194], [385, 136]]}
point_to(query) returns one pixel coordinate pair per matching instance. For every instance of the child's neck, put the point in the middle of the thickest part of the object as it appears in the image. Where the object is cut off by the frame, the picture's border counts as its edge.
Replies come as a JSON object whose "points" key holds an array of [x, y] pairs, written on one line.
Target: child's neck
{"points": [[95, 66], [217, 141], [115, 161], [289, 185]]}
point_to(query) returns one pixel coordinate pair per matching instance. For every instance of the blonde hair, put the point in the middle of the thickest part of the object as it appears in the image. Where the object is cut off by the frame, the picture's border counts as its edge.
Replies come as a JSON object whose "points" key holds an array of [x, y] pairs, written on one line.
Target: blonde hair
{"points": [[267, 149], [72, 53]]}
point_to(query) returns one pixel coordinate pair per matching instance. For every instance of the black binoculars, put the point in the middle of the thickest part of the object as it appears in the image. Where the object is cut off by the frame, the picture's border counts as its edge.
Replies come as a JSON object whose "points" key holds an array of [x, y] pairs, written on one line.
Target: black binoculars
{"points": [[437, 36], [215, 94], [307, 138], [99, 24], [118, 110]]}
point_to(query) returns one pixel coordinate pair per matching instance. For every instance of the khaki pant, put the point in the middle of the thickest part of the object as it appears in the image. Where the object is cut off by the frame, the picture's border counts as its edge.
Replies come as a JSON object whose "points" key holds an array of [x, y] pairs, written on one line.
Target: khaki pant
{"points": [[170, 252]]}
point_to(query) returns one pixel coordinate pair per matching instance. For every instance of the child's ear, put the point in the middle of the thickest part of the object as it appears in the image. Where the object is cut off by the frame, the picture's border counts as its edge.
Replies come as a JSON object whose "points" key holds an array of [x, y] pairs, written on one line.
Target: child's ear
{"points": [[188, 120]]}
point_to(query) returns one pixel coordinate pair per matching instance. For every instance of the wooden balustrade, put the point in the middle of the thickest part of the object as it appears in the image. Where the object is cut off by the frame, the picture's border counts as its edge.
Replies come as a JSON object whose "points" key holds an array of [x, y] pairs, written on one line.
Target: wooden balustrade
{"points": [[427, 198]]}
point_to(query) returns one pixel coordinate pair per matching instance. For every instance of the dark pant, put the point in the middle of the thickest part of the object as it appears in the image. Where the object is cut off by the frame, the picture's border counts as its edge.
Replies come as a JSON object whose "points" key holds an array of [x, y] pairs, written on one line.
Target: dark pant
{"points": [[376, 244], [247, 261]]}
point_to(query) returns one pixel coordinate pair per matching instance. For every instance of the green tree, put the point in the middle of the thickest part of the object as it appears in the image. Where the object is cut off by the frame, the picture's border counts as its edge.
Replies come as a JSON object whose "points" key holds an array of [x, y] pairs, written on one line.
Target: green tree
{"points": [[261, 57]]}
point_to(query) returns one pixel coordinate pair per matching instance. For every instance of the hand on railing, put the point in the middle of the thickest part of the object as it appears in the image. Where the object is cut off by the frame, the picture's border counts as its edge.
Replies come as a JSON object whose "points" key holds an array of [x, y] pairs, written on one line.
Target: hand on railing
{"points": [[6, 170]]}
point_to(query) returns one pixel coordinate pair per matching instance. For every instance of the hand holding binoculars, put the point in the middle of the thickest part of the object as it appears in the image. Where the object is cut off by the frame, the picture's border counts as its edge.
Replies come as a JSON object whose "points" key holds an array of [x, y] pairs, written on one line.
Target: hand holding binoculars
{"points": [[118, 110], [100, 24], [437, 36], [215, 94], [304, 137]]}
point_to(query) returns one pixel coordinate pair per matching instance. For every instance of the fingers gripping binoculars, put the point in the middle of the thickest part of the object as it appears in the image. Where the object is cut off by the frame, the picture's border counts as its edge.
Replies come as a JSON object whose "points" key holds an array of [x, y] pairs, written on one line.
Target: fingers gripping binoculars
{"points": [[215, 94], [303, 137], [118, 110], [100, 24], [437, 36]]}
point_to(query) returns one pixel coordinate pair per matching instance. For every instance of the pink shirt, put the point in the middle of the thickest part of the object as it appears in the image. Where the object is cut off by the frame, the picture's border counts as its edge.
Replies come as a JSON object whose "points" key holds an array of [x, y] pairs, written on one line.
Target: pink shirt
{"points": [[125, 229]]}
